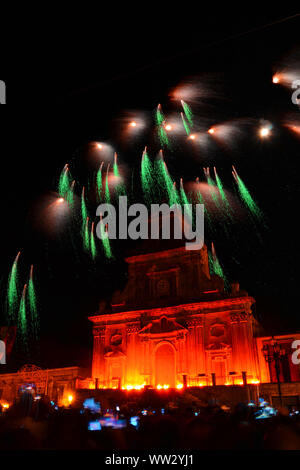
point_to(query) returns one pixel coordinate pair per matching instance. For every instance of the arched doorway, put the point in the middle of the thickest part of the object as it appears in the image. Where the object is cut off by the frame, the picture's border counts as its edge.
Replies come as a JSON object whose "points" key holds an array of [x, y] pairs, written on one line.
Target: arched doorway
{"points": [[165, 365]]}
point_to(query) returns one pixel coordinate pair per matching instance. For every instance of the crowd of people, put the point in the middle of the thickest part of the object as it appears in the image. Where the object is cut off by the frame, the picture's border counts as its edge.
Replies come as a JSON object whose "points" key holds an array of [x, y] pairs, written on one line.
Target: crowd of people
{"points": [[39, 424]]}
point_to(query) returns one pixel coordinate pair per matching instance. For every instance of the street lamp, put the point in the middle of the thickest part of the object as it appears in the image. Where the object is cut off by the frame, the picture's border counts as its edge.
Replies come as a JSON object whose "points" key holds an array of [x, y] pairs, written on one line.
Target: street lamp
{"points": [[274, 352]]}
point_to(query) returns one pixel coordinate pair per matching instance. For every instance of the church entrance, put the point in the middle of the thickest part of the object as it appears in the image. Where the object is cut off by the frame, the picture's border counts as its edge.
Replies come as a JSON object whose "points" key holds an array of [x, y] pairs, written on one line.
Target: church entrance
{"points": [[165, 366]]}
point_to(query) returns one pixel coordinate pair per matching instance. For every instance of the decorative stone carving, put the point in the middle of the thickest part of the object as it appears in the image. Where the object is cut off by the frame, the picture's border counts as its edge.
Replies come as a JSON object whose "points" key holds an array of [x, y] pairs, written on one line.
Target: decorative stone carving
{"points": [[239, 316], [194, 322]]}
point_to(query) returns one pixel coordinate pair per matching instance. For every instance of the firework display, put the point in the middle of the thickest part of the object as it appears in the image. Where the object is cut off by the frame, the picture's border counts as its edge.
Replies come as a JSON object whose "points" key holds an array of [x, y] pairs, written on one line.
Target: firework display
{"points": [[225, 203]]}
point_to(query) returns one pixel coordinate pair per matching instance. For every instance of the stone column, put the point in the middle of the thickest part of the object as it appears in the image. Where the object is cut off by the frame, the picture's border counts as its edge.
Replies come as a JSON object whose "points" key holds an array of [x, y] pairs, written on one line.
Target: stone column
{"points": [[98, 370]]}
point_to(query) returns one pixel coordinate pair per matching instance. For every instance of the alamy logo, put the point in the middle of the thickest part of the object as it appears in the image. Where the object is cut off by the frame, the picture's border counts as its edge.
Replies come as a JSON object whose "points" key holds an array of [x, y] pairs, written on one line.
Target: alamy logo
{"points": [[161, 216], [2, 92], [296, 94], [2, 352], [296, 354]]}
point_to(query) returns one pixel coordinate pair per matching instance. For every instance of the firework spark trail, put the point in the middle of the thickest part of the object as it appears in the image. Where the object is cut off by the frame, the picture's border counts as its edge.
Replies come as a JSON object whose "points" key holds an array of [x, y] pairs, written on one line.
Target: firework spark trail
{"points": [[86, 236], [99, 182], [188, 113], [84, 212], [160, 119], [33, 304], [184, 200], [105, 241], [215, 263], [185, 124], [147, 177], [64, 181], [162, 134], [70, 195], [165, 181], [12, 290], [174, 197], [120, 188], [22, 320], [93, 244], [107, 193], [246, 196], [212, 187], [223, 195], [220, 186]]}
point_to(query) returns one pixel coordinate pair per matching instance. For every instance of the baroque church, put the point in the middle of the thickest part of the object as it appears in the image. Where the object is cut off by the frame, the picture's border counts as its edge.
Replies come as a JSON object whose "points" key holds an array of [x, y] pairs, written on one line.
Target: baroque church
{"points": [[173, 326]]}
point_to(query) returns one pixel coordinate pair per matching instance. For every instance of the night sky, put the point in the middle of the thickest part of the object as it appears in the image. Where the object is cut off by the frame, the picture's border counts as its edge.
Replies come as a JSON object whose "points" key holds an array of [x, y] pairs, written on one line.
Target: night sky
{"points": [[77, 87]]}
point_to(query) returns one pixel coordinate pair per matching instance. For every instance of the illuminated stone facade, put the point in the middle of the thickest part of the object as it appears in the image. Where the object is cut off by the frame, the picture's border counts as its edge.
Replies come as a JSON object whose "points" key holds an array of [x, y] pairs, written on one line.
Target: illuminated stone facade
{"points": [[173, 325], [57, 384]]}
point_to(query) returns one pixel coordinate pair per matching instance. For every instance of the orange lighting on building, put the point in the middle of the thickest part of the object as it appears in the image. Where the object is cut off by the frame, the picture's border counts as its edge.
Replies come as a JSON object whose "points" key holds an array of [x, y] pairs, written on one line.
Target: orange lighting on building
{"points": [[5, 405], [178, 341]]}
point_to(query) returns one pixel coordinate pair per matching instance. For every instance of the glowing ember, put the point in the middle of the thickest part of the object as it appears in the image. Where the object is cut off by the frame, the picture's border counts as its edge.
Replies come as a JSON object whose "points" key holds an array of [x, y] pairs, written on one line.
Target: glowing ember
{"points": [[132, 124], [264, 132], [211, 130], [275, 79]]}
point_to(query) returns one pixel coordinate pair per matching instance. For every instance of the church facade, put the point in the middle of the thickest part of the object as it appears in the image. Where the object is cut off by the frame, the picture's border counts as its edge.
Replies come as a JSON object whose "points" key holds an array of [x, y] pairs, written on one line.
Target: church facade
{"points": [[173, 326]]}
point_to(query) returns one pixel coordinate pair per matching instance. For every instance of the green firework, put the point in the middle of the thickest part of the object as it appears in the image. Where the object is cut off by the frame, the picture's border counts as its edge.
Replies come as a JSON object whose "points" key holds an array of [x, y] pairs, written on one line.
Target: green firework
{"points": [[220, 187], [184, 199], [84, 212], [33, 303], [70, 195], [160, 119], [185, 124], [147, 177], [99, 182], [165, 181], [161, 132], [212, 187], [64, 181], [105, 241], [12, 289], [215, 263], [223, 195], [22, 320], [188, 113], [120, 188], [86, 236], [93, 244], [107, 193], [246, 196]]}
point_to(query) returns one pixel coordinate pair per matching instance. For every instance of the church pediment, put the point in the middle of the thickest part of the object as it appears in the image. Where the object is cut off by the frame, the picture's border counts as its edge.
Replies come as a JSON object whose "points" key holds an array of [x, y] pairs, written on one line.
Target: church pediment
{"points": [[162, 326]]}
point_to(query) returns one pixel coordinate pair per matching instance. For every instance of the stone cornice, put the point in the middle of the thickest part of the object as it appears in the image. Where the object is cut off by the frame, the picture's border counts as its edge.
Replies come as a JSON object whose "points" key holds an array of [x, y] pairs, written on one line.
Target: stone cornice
{"points": [[161, 255], [196, 308]]}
